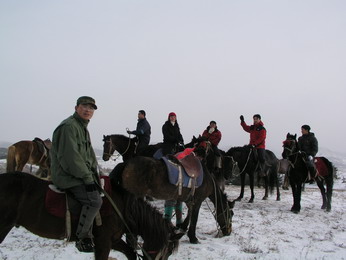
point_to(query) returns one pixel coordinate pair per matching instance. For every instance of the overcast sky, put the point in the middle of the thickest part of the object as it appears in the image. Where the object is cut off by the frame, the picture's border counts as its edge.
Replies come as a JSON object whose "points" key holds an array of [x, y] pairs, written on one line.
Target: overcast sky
{"points": [[204, 60]]}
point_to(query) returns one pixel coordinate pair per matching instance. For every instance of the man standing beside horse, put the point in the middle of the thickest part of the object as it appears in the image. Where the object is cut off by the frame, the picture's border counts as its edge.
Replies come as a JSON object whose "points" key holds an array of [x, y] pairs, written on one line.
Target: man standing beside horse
{"points": [[74, 168], [258, 136]]}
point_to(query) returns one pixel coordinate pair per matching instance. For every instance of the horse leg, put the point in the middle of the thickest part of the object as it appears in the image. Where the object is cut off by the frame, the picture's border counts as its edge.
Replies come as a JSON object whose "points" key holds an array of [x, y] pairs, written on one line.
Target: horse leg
{"points": [[252, 187], [193, 223], [242, 183], [286, 182], [320, 184], [296, 191], [278, 196], [121, 246], [329, 184], [266, 187]]}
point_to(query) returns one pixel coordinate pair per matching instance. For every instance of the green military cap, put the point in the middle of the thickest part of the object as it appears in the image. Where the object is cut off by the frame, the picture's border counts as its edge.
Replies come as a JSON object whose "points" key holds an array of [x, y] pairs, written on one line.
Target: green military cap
{"points": [[86, 100]]}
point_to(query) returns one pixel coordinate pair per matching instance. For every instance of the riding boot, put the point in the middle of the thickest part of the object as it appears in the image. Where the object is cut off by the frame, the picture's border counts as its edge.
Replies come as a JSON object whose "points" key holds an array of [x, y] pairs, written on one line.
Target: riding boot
{"points": [[168, 212], [178, 213], [312, 174]]}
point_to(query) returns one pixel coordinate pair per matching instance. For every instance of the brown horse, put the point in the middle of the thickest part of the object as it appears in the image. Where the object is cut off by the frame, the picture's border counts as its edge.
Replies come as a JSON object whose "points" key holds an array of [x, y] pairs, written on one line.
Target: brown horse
{"points": [[146, 176], [32, 152], [22, 203]]}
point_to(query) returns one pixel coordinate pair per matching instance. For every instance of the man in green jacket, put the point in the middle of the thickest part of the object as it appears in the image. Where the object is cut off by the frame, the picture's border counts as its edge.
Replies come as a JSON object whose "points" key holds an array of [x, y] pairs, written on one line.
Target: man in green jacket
{"points": [[74, 168]]}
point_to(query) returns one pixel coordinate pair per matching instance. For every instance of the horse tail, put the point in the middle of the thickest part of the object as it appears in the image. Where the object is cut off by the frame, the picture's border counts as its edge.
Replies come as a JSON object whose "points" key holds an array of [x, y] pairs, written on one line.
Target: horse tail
{"points": [[11, 159], [331, 169]]}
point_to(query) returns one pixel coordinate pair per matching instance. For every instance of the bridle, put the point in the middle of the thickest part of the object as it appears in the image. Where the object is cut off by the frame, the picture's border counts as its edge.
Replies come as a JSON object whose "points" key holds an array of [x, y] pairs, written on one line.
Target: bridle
{"points": [[112, 149], [290, 145]]}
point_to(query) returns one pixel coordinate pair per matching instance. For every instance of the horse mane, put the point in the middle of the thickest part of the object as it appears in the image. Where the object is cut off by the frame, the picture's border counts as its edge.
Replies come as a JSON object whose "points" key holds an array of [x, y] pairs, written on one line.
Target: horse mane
{"points": [[237, 149], [145, 220]]}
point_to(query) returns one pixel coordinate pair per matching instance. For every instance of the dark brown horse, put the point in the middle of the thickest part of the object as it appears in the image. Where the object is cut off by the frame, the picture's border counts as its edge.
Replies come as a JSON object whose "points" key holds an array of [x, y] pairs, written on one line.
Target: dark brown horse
{"points": [[298, 174], [125, 146], [34, 152], [247, 163], [145, 176], [22, 203]]}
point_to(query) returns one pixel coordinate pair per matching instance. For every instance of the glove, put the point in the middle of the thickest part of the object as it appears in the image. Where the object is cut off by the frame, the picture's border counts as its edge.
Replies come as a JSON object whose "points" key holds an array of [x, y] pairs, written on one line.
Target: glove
{"points": [[129, 132], [310, 158], [242, 118]]}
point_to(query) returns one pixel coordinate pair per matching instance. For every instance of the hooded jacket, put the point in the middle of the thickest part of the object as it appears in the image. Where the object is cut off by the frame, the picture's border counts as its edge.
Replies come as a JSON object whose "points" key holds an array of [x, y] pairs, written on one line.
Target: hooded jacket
{"points": [[73, 160], [308, 144], [143, 131], [258, 134]]}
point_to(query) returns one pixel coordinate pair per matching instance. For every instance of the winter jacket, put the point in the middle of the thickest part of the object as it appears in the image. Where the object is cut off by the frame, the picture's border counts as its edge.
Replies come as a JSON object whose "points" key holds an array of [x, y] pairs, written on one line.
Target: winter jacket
{"points": [[214, 137], [258, 134], [73, 161], [171, 137], [308, 144], [143, 131]]}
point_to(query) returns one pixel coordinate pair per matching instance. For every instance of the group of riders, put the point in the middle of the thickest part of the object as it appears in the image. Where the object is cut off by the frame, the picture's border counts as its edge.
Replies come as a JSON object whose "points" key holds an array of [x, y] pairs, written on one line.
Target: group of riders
{"points": [[74, 164]]}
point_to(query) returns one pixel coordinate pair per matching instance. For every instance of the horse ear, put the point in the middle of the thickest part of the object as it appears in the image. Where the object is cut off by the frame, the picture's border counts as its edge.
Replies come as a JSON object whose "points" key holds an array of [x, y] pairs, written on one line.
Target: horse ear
{"points": [[288, 134], [295, 136]]}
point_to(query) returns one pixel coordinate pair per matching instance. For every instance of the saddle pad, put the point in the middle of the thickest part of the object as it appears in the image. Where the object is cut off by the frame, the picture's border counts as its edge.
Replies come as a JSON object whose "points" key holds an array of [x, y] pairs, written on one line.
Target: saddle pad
{"points": [[55, 203], [173, 174], [322, 169]]}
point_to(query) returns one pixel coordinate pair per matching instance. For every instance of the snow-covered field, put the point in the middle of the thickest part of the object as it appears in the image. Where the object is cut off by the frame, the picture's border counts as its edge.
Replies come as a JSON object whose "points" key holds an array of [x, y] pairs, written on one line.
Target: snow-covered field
{"points": [[261, 230]]}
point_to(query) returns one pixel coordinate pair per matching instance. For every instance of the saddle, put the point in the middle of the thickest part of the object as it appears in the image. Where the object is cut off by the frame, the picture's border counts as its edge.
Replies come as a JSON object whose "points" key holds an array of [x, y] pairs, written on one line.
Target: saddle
{"points": [[184, 172], [321, 167], [56, 204], [43, 146]]}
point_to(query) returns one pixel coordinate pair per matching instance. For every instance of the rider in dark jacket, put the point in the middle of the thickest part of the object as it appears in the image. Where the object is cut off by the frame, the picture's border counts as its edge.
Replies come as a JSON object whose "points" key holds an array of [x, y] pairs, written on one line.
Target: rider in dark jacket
{"points": [[171, 135], [308, 143], [143, 132]]}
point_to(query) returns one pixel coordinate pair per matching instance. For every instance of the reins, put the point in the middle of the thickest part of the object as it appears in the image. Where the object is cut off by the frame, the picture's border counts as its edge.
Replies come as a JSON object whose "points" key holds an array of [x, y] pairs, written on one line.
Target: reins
{"points": [[247, 161]]}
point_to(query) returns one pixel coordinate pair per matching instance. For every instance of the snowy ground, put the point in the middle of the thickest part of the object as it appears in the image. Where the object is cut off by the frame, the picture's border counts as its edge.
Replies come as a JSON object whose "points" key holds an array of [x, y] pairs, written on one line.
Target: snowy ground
{"points": [[262, 230]]}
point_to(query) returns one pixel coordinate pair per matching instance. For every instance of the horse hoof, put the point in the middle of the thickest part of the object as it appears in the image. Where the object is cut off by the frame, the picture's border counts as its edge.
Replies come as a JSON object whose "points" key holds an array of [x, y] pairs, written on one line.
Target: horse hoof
{"points": [[194, 241], [251, 201], [278, 199], [296, 211], [237, 199], [265, 198]]}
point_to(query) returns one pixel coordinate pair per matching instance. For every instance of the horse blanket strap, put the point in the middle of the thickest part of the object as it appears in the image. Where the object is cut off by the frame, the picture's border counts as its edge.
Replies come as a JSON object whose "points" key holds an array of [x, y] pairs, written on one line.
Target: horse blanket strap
{"points": [[173, 169]]}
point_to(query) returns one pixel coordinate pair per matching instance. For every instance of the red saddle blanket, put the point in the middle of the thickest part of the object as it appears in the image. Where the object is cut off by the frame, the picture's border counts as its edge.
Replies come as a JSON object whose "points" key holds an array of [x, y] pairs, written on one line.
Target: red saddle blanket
{"points": [[56, 202], [321, 167]]}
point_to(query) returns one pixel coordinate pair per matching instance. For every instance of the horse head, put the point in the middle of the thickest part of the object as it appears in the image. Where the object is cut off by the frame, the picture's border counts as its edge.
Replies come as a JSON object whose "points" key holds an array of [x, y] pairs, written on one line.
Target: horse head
{"points": [[290, 145], [108, 148], [169, 249]]}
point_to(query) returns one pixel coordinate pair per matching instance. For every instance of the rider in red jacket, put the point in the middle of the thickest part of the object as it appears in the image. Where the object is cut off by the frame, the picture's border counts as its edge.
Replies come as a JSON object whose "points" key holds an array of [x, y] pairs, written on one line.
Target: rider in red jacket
{"points": [[214, 135], [258, 135]]}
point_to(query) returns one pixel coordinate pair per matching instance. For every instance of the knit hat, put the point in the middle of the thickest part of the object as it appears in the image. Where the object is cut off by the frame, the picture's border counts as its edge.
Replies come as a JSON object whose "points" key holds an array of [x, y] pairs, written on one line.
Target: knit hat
{"points": [[257, 115], [212, 122], [171, 114]]}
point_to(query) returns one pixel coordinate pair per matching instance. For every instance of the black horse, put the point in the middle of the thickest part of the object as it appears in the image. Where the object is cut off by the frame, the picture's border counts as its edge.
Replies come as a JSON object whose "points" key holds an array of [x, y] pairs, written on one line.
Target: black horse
{"points": [[247, 162], [125, 146], [298, 173]]}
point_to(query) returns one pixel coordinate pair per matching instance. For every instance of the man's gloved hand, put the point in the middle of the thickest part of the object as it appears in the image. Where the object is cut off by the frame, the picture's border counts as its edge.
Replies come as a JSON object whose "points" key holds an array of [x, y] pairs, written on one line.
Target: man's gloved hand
{"points": [[242, 118]]}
